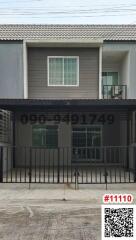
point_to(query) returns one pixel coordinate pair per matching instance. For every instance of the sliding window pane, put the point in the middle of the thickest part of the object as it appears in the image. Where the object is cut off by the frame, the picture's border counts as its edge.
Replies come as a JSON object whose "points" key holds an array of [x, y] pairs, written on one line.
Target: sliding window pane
{"points": [[37, 136], [70, 71], [51, 137], [55, 71]]}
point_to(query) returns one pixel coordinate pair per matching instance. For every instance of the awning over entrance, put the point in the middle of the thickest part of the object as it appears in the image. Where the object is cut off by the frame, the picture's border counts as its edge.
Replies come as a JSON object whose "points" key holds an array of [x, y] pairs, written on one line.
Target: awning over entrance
{"points": [[68, 104]]}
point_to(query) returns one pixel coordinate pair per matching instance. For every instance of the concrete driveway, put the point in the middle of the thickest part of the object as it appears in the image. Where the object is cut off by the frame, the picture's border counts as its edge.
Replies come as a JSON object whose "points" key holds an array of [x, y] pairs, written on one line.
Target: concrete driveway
{"points": [[41, 212]]}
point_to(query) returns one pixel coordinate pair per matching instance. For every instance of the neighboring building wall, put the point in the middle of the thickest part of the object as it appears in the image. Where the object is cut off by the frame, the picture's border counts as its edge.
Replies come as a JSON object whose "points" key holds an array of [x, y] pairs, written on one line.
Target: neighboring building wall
{"points": [[129, 64], [11, 69], [88, 73]]}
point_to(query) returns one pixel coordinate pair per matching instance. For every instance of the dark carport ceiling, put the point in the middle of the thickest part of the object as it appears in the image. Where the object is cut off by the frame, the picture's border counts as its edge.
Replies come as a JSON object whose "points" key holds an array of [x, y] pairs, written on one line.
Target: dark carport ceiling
{"points": [[66, 104]]}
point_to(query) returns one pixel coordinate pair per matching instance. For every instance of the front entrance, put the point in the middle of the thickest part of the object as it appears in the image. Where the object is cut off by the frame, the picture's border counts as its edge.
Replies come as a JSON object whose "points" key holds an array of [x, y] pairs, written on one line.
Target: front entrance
{"points": [[86, 143]]}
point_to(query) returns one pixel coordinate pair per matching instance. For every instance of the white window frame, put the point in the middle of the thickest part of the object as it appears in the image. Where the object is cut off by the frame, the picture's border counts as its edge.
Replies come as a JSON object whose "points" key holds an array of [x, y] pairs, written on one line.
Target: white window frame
{"points": [[90, 126], [63, 85]]}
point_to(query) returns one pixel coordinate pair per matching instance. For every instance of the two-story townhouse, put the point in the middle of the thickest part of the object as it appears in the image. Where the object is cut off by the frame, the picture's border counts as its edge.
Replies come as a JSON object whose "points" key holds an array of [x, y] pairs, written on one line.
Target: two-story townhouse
{"points": [[68, 102]]}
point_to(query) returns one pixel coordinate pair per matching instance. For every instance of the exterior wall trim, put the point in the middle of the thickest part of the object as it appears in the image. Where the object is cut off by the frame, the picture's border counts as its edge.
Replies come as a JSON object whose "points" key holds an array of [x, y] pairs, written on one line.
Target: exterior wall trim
{"points": [[100, 72], [25, 70]]}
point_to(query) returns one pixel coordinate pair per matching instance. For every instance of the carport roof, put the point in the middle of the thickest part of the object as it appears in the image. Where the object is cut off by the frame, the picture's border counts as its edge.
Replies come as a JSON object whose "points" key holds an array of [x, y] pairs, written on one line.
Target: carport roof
{"points": [[67, 104]]}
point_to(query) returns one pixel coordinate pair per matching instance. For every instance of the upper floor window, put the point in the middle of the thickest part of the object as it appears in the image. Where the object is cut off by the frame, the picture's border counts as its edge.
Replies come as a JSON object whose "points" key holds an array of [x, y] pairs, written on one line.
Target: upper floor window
{"points": [[63, 71]]}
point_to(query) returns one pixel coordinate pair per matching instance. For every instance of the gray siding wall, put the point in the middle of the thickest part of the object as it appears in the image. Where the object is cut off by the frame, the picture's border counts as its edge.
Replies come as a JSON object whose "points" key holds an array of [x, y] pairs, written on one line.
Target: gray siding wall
{"points": [[11, 69], [88, 73]]}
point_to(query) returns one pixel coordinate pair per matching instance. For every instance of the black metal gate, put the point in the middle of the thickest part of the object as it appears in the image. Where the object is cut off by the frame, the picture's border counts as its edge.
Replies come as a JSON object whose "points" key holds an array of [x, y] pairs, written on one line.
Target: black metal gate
{"points": [[116, 164]]}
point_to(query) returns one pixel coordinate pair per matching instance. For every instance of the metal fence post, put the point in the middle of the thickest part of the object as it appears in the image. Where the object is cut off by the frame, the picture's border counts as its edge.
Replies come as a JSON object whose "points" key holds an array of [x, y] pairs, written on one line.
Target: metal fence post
{"points": [[30, 168], [1, 164], [58, 177], [134, 162], [105, 168], [76, 173], [76, 178]]}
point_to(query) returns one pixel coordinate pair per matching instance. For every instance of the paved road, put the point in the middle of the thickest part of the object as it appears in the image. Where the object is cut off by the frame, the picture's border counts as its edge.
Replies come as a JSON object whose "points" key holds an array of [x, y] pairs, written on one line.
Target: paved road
{"points": [[48, 220], [40, 213]]}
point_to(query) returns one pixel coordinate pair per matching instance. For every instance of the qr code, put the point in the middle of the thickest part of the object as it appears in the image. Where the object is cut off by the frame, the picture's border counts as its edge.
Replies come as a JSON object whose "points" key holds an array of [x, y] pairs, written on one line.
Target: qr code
{"points": [[118, 222]]}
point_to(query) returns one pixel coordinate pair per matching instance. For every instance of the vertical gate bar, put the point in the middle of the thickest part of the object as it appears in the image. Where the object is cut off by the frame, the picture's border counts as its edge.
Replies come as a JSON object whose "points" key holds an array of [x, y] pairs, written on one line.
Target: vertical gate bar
{"points": [[124, 167], [115, 174], [120, 170], [115, 165], [91, 166], [40, 165], [7, 162], [82, 167], [88, 168], [49, 167], [67, 164], [35, 164], [58, 169], [86, 175], [44, 164], [71, 167], [16, 166], [100, 175], [105, 165], [99, 168], [63, 164], [91, 175], [1, 164], [110, 162], [96, 166], [25, 162], [134, 162], [129, 175], [129, 172], [95, 174], [14, 138], [39, 154], [20, 166], [113, 157], [11, 155], [30, 165], [110, 154], [128, 137], [53, 164]]}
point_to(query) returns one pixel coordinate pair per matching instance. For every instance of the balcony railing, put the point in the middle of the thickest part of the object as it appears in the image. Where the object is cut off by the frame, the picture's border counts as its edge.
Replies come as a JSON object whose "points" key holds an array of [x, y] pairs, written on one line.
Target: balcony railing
{"points": [[114, 91]]}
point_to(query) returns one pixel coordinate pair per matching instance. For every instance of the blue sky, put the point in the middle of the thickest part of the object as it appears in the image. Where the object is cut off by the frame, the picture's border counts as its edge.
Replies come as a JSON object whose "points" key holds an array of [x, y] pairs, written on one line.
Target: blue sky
{"points": [[68, 11]]}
